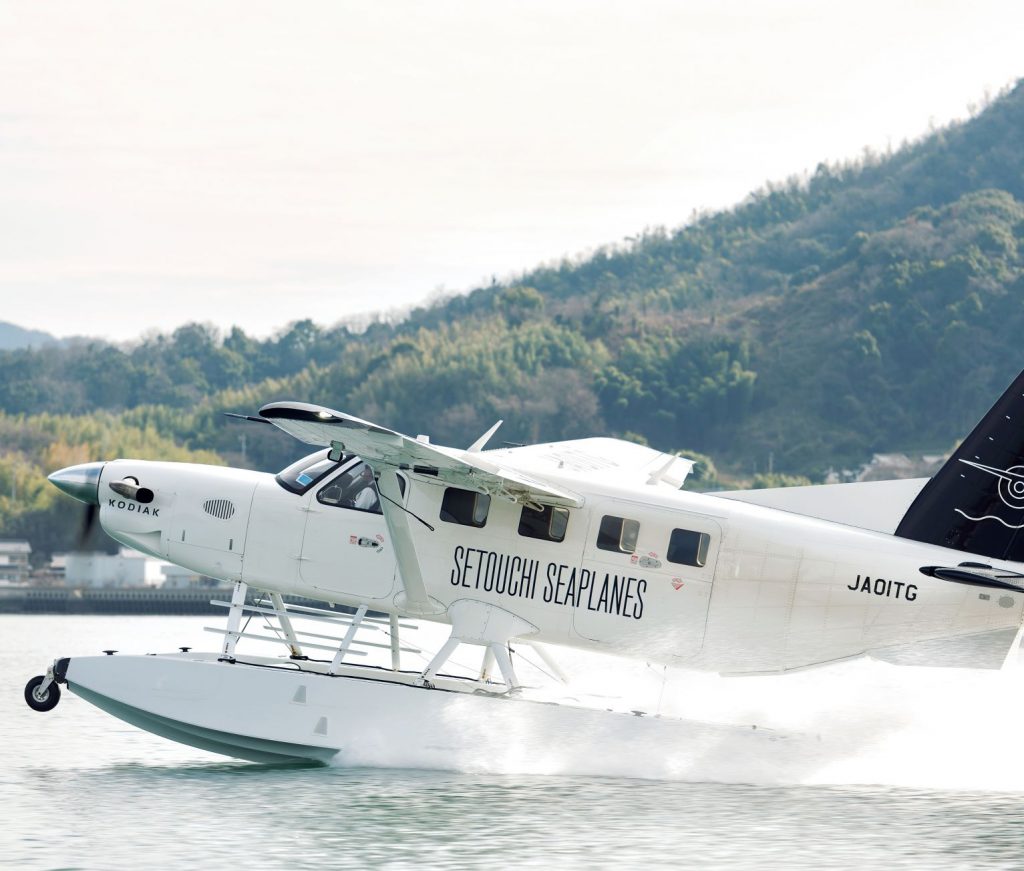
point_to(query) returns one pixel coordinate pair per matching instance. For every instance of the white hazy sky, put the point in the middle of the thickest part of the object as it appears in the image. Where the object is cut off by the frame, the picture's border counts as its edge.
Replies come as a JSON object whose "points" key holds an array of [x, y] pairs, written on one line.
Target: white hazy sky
{"points": [[254, 163]]}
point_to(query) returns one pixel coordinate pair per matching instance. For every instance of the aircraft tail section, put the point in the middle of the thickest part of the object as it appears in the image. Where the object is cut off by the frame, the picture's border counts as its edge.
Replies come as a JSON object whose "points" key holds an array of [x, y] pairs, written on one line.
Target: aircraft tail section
{"points": [[975, 502]]}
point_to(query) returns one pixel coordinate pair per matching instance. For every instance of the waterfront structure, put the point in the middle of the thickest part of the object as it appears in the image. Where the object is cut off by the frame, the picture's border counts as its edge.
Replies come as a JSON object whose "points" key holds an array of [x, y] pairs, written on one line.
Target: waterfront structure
{"points": [[126, 568], [14, 561]]}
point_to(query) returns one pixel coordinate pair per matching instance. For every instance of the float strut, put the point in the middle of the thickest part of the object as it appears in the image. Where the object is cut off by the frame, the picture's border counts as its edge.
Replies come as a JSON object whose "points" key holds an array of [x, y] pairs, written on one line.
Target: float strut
{"points": [[550, 662], [346, 642], [487, 665], [286, 624], [440, 658], [500, 652], [396, 651], [234, 620]]}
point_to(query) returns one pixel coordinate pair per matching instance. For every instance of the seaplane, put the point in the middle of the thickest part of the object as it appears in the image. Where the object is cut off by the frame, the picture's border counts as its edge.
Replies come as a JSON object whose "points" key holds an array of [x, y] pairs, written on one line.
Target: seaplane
{"points": [[592, 544]]}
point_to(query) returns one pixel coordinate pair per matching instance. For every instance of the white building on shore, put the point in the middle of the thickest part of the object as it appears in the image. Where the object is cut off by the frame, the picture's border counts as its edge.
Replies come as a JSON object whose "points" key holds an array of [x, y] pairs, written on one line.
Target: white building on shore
{"points": [[14, 564], [127, 568]]}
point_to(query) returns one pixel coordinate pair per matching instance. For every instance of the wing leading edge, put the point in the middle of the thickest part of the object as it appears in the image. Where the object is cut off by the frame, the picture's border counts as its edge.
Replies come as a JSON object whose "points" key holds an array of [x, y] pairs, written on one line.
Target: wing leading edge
{"points": [[382, 447]]}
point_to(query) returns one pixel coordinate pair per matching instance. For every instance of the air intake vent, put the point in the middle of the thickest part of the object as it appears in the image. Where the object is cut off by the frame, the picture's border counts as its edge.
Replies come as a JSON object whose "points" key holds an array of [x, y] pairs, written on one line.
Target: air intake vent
{"points": [[220, 508]]}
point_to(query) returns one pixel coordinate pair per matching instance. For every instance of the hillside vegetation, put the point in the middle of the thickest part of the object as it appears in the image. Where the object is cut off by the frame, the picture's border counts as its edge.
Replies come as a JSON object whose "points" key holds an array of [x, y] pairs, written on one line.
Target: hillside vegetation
{"points": [[875, 305]]}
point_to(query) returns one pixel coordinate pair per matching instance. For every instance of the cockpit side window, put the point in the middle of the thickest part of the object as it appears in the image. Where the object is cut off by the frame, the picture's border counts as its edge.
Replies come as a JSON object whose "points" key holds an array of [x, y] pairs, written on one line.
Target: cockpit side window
{"points": [[354, 489], [304, 473]]}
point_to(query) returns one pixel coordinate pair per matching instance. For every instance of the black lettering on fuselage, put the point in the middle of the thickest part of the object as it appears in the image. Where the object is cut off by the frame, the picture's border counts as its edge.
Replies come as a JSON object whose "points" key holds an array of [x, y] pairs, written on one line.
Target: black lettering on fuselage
{"points": [[569, 586], [549, 585], [133, 506], [457, 571], [638, 608], [884, 588]]}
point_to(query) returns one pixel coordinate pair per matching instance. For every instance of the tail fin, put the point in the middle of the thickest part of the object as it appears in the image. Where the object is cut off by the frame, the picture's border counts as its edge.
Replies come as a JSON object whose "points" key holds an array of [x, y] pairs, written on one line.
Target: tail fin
{"points": [[975, 502]]}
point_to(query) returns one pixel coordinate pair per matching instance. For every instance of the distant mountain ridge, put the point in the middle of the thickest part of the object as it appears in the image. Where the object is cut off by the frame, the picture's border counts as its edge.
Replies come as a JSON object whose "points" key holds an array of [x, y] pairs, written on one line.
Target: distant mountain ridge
{"points": [[12, 337]]}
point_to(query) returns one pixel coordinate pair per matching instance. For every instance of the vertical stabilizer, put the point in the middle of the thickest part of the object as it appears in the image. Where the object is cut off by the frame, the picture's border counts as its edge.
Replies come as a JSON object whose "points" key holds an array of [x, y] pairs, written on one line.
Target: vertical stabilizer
{"points": [[975, 502]]}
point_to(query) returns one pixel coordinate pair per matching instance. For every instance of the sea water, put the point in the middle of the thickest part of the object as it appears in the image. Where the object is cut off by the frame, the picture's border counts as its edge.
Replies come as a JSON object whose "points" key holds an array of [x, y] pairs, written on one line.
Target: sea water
{"points": [[888, 768]]}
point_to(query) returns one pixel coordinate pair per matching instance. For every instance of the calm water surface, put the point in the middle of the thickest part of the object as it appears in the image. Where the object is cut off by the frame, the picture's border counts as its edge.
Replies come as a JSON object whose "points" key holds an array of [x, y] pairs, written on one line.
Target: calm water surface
{"points": [[82, 790]]}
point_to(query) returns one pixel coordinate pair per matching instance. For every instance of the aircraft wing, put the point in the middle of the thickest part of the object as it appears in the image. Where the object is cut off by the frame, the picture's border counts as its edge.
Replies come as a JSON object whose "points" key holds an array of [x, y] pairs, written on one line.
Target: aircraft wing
{"points": [[379, 446], [615, 460]]}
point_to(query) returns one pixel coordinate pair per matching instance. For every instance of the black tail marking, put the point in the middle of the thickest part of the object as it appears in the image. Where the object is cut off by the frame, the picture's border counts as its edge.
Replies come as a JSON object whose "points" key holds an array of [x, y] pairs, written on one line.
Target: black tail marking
{"points": [[975, 502]]}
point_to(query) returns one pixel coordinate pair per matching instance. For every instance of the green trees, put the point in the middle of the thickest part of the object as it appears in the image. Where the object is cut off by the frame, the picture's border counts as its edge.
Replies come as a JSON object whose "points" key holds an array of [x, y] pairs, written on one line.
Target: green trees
{"points": [[673, 390], [35, 445], [874, 305]]}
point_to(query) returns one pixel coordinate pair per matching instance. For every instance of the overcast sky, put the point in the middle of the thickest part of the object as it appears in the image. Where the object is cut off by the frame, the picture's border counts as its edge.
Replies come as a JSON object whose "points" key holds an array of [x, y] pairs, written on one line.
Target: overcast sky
{"points": [[256, 163]]}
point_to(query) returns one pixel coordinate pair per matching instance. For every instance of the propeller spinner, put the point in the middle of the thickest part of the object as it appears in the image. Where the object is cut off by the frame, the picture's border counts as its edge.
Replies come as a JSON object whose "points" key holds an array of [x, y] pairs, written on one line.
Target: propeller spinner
{"points": [[83, 483]]}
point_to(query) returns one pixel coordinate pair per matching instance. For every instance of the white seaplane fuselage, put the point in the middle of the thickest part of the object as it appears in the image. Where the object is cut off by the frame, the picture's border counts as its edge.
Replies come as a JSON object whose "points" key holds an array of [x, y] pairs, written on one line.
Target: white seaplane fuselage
{"points": [[770, 590]]}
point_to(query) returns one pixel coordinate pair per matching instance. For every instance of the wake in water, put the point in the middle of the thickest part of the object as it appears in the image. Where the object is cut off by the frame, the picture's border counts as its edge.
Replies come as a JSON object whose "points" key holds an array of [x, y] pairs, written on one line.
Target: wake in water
{"points": [[861, 722]]}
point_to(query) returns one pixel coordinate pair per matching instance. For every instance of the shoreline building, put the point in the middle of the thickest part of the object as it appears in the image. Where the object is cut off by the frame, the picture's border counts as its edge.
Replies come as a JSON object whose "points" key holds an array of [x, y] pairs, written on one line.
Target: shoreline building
{"points": [[127, 569], [14, 562]]}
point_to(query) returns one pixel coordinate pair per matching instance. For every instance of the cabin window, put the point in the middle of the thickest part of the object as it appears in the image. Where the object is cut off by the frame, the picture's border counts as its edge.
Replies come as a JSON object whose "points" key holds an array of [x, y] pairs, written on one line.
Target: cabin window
{"points": [[466, 507], [355, 489], [688, 548], [618, 534], [548, 524]]}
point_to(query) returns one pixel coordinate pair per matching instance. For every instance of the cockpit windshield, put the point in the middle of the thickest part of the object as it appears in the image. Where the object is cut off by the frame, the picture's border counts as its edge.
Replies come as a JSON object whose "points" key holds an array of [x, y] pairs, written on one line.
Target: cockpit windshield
{"points": [[304, 473]]}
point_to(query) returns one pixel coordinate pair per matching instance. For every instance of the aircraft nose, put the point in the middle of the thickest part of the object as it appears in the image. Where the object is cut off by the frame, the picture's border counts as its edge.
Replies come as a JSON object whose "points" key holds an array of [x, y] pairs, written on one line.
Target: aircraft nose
{"points": [[82, 481]]}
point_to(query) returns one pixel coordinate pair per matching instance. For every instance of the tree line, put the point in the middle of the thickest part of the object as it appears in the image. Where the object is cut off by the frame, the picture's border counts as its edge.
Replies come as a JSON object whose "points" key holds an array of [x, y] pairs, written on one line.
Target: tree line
{"points": [[870, 306]]}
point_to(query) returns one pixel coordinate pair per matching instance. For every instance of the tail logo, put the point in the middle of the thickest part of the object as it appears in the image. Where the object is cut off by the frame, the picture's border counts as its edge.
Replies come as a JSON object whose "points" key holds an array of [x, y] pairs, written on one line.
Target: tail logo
{"points": [[1010, 489]]}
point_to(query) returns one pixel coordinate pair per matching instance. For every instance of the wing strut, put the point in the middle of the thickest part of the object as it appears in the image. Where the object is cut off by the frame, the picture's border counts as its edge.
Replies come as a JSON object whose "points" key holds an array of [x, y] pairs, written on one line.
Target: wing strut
{"points": [[415, 599]]}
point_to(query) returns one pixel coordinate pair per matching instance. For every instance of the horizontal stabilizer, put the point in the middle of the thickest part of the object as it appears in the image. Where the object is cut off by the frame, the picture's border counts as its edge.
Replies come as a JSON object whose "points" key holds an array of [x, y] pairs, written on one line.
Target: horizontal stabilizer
{"points": [[977, 575]]}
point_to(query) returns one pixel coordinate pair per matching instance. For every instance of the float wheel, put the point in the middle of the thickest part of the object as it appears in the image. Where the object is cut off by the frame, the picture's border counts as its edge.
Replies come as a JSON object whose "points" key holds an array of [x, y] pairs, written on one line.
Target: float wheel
{"points": [[41, 701]]}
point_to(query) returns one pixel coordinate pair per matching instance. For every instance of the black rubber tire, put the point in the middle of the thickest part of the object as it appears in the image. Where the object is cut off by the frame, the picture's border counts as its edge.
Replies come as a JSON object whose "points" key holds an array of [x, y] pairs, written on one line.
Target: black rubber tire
{"points": [[48, 702]]}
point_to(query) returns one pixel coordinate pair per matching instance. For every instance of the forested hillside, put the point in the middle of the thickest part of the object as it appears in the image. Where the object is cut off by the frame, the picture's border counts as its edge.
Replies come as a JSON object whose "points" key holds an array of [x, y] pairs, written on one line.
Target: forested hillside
{"points": [[871, 306]]}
